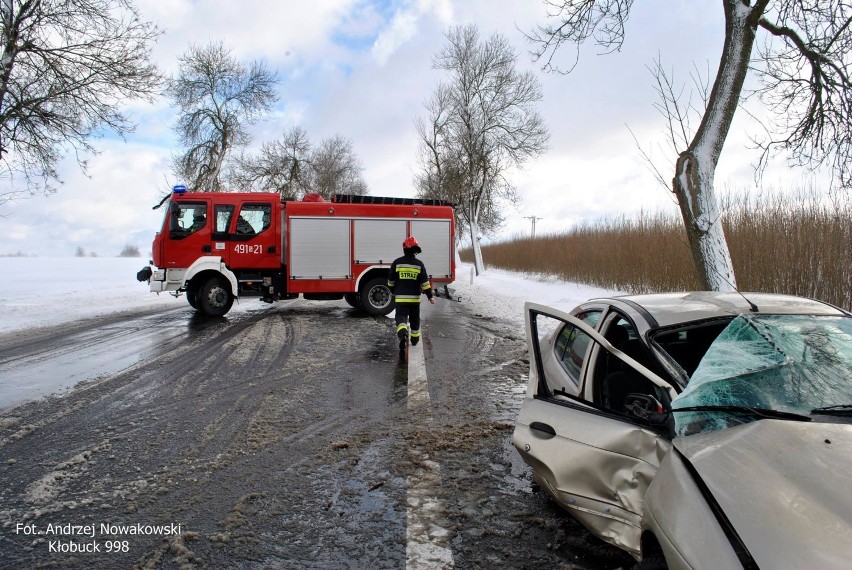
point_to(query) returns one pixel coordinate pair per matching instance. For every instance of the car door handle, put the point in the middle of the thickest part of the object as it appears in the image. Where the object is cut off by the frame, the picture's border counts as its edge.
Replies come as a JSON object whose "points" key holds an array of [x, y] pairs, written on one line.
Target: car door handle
{"points": [[206, 249], [270, 249], [545, 429]]}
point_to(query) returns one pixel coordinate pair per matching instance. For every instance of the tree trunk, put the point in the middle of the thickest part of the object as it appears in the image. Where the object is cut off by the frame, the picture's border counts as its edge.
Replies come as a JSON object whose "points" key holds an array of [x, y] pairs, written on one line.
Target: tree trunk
{"points": [[699, 208], [478, 264], [7, 61], [693, 181], [475, 208]]}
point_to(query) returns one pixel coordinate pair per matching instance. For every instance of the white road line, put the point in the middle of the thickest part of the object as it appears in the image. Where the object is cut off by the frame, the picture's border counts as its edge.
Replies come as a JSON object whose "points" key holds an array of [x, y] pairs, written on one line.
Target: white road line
{"points": [[418, 385], [427, 536]]}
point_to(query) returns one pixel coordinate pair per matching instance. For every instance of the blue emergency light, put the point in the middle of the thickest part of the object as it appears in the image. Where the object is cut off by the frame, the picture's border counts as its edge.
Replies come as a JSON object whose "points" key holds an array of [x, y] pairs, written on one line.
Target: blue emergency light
{"points": [[179, 189]]}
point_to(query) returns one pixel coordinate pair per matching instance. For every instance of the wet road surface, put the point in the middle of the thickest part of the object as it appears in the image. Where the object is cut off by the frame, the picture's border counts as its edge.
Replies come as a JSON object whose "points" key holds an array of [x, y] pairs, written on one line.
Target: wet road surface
{"points": [[291, 436]]}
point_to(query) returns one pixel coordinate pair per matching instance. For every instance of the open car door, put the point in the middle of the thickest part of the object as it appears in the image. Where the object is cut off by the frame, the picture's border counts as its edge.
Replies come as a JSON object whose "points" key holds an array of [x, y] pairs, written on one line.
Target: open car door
{"points": [[595, 461]]}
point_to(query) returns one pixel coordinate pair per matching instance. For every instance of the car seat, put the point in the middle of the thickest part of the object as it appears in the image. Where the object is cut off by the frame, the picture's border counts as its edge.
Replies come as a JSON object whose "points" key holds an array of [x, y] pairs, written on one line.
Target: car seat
{"points": [[620, 378]]}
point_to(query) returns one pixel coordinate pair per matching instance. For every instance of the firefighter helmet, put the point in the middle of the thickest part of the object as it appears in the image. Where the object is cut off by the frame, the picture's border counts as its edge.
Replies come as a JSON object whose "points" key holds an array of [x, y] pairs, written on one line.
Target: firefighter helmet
{"points": [[410, 242]]}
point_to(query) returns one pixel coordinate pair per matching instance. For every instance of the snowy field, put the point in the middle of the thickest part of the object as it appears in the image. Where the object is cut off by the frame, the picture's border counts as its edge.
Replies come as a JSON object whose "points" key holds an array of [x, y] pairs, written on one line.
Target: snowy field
{"points": [[43, 291]]}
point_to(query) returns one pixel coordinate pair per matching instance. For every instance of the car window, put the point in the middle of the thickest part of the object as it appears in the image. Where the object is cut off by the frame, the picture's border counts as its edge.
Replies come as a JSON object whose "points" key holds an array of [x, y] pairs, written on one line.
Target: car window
{"points": [[223, 217], [187, 218], [687, 346], [572, 344], [254, 219], [617, 385]]}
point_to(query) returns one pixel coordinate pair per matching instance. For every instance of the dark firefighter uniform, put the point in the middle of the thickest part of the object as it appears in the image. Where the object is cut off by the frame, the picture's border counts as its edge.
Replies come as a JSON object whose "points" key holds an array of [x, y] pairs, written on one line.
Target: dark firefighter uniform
{"points": [[408, 280]]}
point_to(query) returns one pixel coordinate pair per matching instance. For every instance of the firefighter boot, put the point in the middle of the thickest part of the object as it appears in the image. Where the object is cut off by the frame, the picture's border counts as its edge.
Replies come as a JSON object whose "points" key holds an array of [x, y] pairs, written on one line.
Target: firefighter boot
{"points": [[415, 337], [403, 338]]}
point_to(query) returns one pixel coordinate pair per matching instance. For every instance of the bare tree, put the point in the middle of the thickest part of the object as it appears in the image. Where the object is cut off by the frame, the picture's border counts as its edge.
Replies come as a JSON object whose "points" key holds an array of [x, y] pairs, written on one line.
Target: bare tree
{"points": [[292, 167], [439, 175], [481, 124], [218, 98], [678, 106], [282, 166], [66, 66], [803, 68], [336, 169], [442, 174], [130, 250]]}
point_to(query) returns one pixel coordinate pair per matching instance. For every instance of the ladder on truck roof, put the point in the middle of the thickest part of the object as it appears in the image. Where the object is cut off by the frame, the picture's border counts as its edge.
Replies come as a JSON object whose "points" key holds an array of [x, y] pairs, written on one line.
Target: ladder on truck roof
{"points": [[356, 199]]}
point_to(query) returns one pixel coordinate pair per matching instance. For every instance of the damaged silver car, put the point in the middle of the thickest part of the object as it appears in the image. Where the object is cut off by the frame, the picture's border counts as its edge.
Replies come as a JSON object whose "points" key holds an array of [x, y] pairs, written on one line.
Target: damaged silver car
{"points": [[696, 430]]}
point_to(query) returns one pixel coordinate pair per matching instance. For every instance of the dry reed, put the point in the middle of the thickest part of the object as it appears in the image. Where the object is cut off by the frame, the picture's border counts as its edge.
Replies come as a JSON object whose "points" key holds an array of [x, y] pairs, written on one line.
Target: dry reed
{"points": [[798, 244]]}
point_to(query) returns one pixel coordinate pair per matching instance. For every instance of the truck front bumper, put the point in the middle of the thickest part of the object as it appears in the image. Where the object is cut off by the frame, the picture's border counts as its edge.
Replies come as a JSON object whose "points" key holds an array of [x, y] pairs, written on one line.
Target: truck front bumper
{"points": [[166, 280]]}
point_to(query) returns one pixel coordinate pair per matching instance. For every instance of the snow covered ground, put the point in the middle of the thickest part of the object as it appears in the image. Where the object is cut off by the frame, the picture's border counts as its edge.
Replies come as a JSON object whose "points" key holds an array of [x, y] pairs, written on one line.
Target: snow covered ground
{"points": [[502, 294], [42, 291]]}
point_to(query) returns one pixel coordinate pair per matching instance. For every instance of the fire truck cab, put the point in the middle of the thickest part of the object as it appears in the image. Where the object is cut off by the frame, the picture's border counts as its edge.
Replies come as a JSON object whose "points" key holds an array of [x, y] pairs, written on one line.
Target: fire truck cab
{"points": [[217, 247]]}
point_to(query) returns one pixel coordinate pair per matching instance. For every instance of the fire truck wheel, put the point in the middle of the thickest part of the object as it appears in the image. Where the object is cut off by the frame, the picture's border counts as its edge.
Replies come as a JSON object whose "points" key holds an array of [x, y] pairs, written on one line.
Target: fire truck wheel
{"points": [[376, 297], [214, 297], [353, 299]]}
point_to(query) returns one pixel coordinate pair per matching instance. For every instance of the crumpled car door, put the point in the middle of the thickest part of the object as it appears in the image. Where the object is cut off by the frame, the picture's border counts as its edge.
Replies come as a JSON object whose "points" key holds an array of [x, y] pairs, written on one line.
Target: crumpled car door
{"points": [[597, 464]]}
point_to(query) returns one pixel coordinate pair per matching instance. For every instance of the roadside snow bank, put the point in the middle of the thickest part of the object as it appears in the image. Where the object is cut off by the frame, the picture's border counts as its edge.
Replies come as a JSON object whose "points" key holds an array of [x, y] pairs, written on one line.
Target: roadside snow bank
{"points": [[501, 294]]}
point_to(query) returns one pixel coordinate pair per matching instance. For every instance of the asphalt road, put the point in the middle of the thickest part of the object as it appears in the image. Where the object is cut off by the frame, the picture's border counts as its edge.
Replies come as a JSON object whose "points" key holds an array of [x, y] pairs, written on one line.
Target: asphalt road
{"points": [[290, 436]]}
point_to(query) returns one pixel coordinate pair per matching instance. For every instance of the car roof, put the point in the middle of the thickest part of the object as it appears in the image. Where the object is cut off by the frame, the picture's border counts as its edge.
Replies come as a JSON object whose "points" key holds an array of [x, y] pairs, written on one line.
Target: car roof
{"points": [[675, 308]]}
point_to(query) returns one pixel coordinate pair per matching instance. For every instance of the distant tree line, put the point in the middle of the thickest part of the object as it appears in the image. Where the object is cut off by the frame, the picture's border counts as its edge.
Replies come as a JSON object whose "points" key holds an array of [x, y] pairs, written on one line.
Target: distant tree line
{"points": [[128, 251]]}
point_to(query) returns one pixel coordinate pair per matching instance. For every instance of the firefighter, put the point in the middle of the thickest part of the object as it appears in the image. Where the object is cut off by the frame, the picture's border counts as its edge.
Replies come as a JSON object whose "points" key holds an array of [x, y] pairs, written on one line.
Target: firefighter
{"points": [[198, 221], [408, 280]]}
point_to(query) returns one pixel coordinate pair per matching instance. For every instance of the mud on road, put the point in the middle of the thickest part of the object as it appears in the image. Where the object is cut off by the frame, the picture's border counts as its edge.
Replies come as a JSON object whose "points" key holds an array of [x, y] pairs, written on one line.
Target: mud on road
{"points": [[282, 437]]}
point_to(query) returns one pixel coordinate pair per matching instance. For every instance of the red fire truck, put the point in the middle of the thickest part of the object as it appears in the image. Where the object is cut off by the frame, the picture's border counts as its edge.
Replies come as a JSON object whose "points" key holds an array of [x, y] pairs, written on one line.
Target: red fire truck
{"points": [[217, 247]]}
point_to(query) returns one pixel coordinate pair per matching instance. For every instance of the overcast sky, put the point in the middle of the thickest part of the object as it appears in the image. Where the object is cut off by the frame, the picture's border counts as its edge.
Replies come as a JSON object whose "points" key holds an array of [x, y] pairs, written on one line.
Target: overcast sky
{"points": [[362, 69]]}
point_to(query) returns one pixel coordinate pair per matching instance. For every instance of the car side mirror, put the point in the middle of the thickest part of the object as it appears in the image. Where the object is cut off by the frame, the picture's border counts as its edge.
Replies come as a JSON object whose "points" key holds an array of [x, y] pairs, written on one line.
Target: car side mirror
{"points": [[650, 409], [642, 405]]}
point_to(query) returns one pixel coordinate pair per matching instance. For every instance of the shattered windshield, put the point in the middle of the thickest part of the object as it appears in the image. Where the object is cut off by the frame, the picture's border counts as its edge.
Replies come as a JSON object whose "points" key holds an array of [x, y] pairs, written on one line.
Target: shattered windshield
{"points": [[792, 364]]}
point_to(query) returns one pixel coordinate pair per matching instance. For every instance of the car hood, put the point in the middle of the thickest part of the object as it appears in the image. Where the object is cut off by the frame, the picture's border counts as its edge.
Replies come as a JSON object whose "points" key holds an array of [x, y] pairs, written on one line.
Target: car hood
{"points": [[784, 486]]}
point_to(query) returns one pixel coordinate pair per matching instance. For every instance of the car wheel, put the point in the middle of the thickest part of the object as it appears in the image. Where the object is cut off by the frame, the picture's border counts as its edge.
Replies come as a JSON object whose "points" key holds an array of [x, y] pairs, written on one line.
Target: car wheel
{"points": [[652, 563], [376, 297], [353, 300], [214, 298]]}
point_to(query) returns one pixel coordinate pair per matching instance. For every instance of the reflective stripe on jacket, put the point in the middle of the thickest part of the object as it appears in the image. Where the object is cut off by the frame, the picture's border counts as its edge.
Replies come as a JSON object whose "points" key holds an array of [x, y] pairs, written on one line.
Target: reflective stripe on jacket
{"points": [[408, 280]]}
